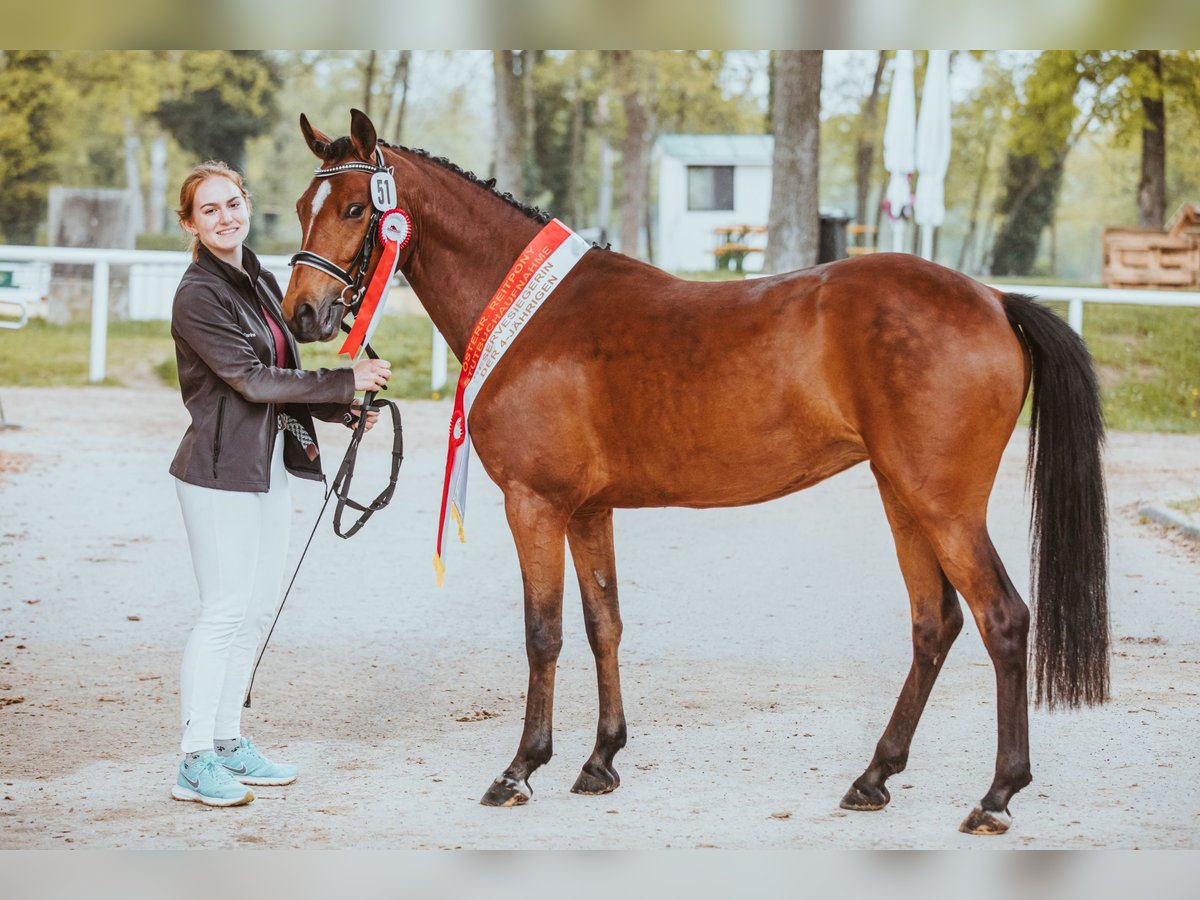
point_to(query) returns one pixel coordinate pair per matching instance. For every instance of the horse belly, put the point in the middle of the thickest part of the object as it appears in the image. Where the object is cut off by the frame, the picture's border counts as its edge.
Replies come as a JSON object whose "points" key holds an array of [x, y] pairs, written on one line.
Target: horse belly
{"points": [[750, 455]]}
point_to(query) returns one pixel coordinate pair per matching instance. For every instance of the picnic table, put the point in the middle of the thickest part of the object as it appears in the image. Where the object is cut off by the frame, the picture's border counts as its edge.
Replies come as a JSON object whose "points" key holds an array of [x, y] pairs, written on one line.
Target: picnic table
{"points": [[733, 245]]}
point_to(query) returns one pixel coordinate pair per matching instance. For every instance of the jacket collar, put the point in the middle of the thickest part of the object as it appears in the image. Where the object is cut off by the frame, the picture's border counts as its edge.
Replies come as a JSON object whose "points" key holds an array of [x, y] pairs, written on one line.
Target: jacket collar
{"points": [[237, 277]]}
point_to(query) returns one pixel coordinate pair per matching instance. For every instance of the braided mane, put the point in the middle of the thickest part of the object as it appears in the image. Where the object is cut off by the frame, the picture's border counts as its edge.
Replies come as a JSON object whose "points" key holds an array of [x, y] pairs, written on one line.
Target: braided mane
{"points": [[343, 147]]}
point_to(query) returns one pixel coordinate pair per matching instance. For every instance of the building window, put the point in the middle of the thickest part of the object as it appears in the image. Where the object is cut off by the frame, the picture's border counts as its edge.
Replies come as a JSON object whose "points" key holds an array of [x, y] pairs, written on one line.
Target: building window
{"points": [[710, 187]]}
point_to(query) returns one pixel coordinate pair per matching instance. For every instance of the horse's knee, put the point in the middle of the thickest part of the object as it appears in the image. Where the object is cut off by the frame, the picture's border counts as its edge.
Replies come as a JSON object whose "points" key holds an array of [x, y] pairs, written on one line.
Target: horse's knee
{"points": [[543, 642], [603, 631]]}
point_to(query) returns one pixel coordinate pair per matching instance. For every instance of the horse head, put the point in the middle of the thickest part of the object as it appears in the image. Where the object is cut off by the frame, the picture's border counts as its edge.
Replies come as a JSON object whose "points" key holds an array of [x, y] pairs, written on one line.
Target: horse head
{"points": [[339, 250]]}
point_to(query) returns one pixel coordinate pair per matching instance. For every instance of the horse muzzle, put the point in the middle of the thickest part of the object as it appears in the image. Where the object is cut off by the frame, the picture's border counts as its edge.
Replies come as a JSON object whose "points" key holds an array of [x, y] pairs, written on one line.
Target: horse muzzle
{"points": [[316, 320]]}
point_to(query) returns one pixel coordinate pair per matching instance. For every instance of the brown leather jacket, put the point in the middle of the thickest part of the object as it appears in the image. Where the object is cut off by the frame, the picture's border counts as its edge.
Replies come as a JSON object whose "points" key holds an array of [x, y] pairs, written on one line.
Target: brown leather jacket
{"points": [[232, 385]]}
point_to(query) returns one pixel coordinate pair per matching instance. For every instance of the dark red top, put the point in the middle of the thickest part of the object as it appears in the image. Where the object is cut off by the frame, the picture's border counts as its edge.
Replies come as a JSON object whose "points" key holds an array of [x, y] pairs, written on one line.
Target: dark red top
{"points": [[281, 354]]}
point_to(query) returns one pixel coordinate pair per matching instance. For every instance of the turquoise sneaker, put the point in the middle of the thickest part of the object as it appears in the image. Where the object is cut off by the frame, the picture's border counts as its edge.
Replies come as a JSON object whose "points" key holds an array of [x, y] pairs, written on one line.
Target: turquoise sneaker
{"points": [[206, 781], [249, 766]]}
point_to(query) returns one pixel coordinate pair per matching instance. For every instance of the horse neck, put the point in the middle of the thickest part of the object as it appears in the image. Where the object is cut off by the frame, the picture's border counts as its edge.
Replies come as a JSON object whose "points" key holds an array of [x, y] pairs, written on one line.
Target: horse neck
{"points": [[465, 239]]}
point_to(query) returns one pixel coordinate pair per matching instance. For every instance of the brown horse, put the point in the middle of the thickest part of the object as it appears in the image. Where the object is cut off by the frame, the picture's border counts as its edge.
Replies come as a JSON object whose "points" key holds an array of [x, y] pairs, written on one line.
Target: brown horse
{"points": [[633, 388]]}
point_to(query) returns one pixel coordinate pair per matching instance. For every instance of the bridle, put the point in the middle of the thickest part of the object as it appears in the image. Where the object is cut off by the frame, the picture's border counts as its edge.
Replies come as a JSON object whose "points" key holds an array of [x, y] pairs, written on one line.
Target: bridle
{"points": [[355, 284]]}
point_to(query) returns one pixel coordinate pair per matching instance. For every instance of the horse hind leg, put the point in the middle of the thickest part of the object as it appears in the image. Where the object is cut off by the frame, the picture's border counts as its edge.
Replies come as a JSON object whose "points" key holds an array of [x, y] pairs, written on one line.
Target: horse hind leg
{"points": [[960, 538], [937, 620], [538, 528], [590, 536], [1003, 621]]}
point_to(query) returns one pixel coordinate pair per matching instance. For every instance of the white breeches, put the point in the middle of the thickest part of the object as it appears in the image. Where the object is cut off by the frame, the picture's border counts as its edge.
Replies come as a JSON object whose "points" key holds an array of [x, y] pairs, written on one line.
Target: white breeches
{"points": [[239, 544]]}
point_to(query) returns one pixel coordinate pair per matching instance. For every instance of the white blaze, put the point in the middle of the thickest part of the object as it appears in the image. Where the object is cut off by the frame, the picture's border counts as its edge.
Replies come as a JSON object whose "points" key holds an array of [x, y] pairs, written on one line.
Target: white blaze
{"points": [[318, 201]]}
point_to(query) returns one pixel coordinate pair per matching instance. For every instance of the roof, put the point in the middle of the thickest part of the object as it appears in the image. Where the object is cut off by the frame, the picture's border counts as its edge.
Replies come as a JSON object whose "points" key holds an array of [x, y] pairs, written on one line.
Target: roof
{"points": [[719, 149]]}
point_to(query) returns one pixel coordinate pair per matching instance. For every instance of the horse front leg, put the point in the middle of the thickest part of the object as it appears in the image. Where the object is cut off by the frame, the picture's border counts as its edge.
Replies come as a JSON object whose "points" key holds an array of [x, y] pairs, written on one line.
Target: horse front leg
{"points": [[538, 528], [590, 535]]}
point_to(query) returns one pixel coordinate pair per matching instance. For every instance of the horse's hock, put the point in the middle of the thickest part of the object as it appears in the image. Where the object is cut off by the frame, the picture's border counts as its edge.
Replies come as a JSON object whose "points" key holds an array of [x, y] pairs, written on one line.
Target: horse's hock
{"points": [[88, 217]]}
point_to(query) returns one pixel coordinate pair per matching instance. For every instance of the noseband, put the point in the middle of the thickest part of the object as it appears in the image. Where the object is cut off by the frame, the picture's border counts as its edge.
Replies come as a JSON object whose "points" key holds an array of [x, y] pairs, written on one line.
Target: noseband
{"points": [[355, 283]]}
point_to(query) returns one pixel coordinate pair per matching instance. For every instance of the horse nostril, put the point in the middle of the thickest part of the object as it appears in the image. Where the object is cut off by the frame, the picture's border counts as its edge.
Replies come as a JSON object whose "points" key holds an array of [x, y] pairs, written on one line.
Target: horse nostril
{"points": [[306, 317]]}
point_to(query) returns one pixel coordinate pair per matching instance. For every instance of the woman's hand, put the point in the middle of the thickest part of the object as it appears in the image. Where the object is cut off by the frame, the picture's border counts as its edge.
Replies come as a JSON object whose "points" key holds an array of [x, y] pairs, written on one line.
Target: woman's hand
{"points": [[356, 411], [371, 374]]}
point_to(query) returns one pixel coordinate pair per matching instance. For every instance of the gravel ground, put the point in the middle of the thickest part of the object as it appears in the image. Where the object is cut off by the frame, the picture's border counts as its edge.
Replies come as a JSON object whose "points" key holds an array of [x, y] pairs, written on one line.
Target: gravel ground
{"points": [[763, 650]]}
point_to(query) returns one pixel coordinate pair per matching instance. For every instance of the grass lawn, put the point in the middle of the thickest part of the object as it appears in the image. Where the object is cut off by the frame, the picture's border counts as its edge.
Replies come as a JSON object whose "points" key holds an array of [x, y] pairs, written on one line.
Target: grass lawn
{"points": [[57, 355], [1148, 359]]}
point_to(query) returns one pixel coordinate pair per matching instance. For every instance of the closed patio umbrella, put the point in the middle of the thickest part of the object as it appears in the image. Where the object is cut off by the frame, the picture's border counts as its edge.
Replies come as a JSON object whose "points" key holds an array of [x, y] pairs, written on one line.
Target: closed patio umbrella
{"points": [[933, 149], [898, 151]]}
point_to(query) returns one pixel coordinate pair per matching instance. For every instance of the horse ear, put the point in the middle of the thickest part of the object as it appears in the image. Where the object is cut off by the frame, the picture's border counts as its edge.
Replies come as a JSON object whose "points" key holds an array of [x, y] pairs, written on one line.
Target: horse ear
{"points": [[362, 134], [317, 142]]}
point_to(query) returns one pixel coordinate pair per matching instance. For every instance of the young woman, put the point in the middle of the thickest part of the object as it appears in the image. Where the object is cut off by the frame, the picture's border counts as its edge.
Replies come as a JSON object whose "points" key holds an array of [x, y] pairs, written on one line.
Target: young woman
{"points": [[252, 409]]}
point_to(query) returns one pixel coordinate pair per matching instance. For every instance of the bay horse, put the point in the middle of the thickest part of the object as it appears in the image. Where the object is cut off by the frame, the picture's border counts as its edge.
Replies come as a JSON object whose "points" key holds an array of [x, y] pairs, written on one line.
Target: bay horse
{"points": [[633, 388]]}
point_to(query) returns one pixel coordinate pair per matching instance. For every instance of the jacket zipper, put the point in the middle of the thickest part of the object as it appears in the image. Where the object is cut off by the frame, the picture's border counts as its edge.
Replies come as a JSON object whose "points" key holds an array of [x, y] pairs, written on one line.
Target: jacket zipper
{"points": [[217, 436]]}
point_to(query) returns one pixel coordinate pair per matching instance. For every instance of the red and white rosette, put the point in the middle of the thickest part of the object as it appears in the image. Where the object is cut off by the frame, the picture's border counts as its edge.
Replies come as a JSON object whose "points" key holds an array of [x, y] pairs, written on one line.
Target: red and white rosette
{"points": [[395, 229], [530, 282]]}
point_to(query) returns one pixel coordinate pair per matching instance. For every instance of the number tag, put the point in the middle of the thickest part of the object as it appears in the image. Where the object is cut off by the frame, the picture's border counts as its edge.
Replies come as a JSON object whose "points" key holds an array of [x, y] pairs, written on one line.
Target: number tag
{"points": [[383, 191]]}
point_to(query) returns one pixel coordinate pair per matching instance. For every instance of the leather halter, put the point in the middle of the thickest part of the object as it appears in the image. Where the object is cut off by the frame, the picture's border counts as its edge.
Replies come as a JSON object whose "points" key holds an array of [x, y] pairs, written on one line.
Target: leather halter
{"points": [[355, 283]]}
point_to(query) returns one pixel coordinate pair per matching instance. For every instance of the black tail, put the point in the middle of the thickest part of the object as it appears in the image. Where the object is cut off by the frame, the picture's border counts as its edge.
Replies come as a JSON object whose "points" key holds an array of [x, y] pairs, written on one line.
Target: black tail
{"points": [[1070, 517]]}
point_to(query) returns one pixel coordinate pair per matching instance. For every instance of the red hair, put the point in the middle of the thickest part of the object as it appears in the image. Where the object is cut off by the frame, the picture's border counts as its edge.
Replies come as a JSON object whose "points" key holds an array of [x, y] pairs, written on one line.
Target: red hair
{"points": [[187, 191]]}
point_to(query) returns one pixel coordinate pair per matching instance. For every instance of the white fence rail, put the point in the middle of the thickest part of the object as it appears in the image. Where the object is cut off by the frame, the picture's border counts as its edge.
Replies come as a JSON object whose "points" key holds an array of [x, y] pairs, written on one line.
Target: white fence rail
{"points": [[155, 273], [1077, 296]]}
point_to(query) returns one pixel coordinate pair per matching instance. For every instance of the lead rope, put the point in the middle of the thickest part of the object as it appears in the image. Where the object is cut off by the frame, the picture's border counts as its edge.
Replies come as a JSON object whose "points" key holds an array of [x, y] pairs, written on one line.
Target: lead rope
{"points": [[341, 486]]}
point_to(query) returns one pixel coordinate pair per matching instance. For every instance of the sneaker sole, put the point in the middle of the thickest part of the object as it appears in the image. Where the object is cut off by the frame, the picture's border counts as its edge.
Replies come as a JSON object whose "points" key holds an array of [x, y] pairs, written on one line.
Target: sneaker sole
{"points": [[265, 782], [181, 793]]}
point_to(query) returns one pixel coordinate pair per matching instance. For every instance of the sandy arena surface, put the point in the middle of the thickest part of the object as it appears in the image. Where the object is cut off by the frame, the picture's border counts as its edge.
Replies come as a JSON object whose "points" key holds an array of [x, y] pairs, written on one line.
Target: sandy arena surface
{"points": [[763, 650]]}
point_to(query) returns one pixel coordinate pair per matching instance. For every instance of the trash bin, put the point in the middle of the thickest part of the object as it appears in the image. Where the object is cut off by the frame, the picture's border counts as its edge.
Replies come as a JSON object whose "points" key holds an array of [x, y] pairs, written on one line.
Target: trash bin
{"points": [[831, 243]]}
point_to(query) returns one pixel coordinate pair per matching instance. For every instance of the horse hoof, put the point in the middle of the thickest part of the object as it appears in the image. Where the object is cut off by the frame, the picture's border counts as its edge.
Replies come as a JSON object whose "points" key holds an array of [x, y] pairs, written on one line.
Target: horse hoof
{"points": [[507, 791], [596, 781], [865, 799], [981, 821]]}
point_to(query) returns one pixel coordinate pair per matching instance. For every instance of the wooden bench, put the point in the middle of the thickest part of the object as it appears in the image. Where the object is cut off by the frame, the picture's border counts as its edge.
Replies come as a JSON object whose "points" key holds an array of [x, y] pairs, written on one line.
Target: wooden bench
{"points": [[735, 254]]}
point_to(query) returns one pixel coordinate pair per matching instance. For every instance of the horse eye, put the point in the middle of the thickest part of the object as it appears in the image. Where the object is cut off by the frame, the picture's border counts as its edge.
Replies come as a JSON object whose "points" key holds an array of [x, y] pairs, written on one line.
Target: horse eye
{"points": [[354, 211]]}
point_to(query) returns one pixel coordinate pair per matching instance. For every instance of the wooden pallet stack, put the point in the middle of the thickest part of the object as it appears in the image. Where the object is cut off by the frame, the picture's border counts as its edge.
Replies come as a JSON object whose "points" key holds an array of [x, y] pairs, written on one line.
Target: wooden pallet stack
{"points": [[1144, 258]]}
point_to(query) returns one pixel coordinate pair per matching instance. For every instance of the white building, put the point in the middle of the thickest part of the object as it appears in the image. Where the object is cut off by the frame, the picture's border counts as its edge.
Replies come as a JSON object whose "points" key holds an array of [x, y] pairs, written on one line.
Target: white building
{"points": [[706, 182]]}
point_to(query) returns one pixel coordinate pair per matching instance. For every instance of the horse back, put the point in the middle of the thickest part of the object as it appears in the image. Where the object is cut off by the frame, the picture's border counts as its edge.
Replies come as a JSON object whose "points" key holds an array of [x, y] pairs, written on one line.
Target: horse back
{"points": [[634, 388]]}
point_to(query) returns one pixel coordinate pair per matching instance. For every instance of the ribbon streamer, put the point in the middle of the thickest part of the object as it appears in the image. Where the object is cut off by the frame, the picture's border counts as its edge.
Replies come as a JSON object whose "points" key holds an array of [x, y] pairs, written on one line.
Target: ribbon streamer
{"points": [[394, 232], [539, 269]]}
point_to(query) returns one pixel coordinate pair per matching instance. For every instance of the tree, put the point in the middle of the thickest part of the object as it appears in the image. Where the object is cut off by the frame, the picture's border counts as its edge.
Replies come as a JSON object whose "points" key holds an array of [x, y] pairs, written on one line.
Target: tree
{"points": [[629, 71], [34, 99], [222, 99], [1044, 130], [793, 227], [868, 136], [510, 118], [1138, 92]]}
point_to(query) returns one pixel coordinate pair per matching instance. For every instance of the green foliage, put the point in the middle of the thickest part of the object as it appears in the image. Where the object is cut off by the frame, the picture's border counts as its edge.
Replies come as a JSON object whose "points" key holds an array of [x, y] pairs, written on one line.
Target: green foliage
{"points": [[34, 99], [222, 99], [1038, 146]]}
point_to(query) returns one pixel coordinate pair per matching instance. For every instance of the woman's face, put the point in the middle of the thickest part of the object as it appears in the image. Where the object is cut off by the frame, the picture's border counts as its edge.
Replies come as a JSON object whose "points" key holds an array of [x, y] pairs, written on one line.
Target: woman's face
{"points": [[220, 218]]}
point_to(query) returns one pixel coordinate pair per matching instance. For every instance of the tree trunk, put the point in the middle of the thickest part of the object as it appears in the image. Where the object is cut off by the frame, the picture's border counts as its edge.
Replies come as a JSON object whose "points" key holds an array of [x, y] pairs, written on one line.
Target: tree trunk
{"points": [[133, 175], [1152, 188], [604, 191], [575, 173], [793, 228], [529, 163], [369, 80], [509, 123], [633, 153], [397, 97], [966, 254], [156, 220], [865, 160]]}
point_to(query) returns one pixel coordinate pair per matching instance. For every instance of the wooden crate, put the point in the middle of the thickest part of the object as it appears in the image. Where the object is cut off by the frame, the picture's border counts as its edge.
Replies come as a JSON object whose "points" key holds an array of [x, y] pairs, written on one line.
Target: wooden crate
{"points": [[1139, 258], [1185, 222]]}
